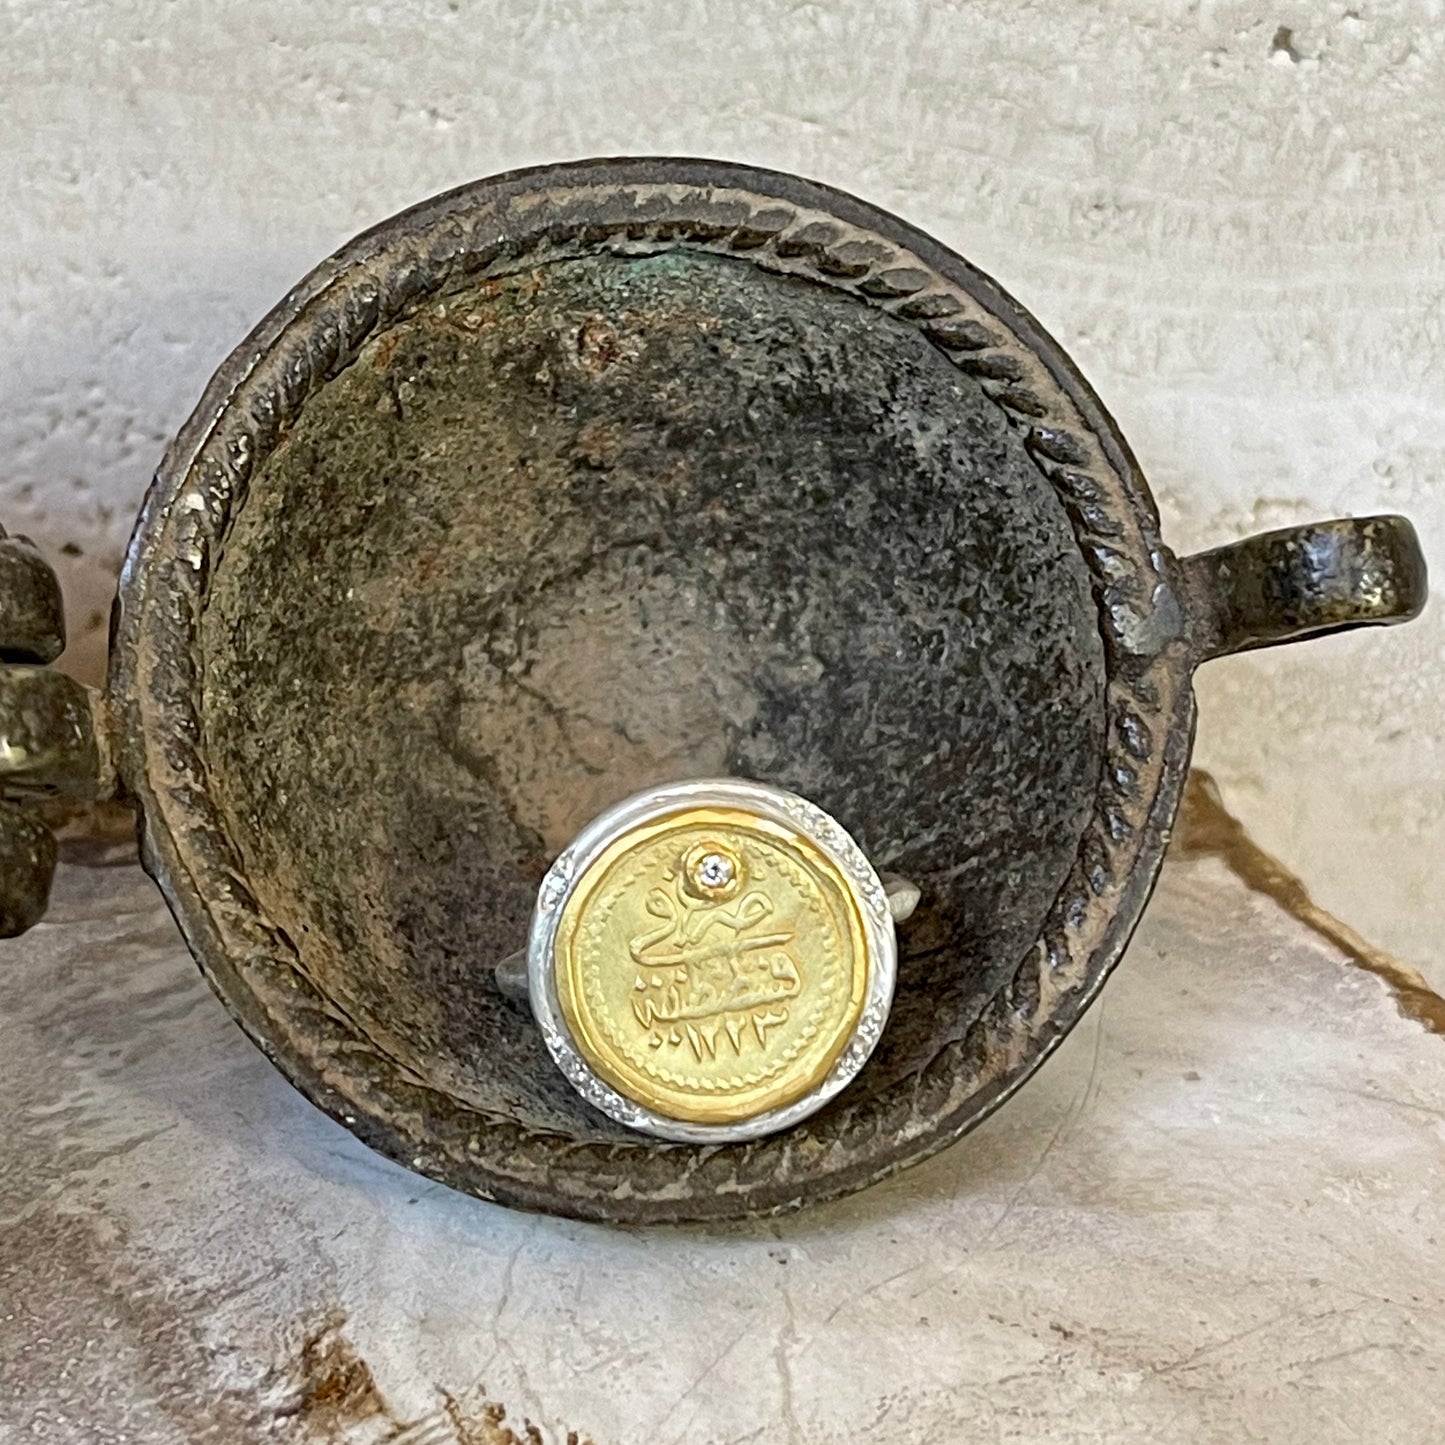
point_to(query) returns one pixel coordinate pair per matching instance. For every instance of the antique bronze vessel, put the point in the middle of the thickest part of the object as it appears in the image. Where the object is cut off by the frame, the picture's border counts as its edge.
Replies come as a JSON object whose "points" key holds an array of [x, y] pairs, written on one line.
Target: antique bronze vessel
{"points": [[587, 479]]}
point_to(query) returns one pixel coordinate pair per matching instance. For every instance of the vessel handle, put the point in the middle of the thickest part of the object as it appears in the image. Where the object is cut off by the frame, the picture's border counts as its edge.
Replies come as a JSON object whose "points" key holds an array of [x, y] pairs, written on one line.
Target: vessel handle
{"points": [[50, 745], [1305, 581]]}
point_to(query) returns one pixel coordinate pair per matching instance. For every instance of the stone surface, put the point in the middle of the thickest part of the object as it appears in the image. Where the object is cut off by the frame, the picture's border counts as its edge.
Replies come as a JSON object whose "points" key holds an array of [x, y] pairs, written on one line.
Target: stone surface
{"points": [[1215, 1215]]}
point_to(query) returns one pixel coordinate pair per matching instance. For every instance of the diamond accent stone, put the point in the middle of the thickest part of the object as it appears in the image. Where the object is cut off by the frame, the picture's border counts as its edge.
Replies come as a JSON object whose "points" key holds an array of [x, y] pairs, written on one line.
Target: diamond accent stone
{"points": [[554, 885], [715, 871]]}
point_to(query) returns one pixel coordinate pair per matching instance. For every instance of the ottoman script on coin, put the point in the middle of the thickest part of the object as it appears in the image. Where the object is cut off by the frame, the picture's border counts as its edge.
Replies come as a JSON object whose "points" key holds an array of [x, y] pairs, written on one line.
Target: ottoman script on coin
{"points": [[713, 964], [712, 970]]}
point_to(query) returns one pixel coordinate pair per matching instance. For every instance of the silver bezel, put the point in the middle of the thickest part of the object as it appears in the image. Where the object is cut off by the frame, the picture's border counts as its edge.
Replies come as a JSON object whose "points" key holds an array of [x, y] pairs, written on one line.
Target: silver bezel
{"points": [[767, 802]]}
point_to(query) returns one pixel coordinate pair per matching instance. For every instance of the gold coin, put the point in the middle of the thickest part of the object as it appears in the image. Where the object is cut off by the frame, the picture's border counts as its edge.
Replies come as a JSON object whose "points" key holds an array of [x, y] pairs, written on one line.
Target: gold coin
{"points": [[712, 965]]}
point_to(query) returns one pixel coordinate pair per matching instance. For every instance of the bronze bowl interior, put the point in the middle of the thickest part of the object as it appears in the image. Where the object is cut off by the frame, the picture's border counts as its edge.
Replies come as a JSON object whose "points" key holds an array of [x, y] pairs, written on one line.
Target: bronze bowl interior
{"points": [[589, 478]]}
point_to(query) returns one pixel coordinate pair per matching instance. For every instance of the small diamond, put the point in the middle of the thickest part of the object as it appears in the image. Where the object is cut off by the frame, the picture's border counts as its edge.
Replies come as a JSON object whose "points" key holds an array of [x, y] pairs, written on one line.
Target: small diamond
{"points": [[554, 885], [715, 871]]}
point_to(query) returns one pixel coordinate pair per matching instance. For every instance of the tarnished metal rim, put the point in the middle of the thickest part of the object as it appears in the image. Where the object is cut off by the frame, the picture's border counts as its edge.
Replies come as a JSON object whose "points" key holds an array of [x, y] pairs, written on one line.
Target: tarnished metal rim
{"points": [[529, 218]]}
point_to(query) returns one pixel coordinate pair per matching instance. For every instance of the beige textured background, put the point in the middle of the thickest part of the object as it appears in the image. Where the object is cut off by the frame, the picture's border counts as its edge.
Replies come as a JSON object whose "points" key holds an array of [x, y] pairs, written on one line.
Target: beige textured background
{"points": [[1231, 213]]}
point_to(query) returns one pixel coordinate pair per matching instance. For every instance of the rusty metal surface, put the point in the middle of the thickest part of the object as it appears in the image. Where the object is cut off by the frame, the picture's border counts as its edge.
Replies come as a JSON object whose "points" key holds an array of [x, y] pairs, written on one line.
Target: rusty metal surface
{"points": [[545, 579], [50, 746], [1029, 776], [32, 615], [1307, 581], [584, 479]]}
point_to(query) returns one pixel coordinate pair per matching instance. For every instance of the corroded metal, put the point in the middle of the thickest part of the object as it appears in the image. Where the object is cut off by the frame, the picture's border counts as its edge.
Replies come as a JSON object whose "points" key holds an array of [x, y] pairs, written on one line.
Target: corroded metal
{"points": [[32, 615], [1305, 582], [579, 480], [50, 745], [27, 866]]}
